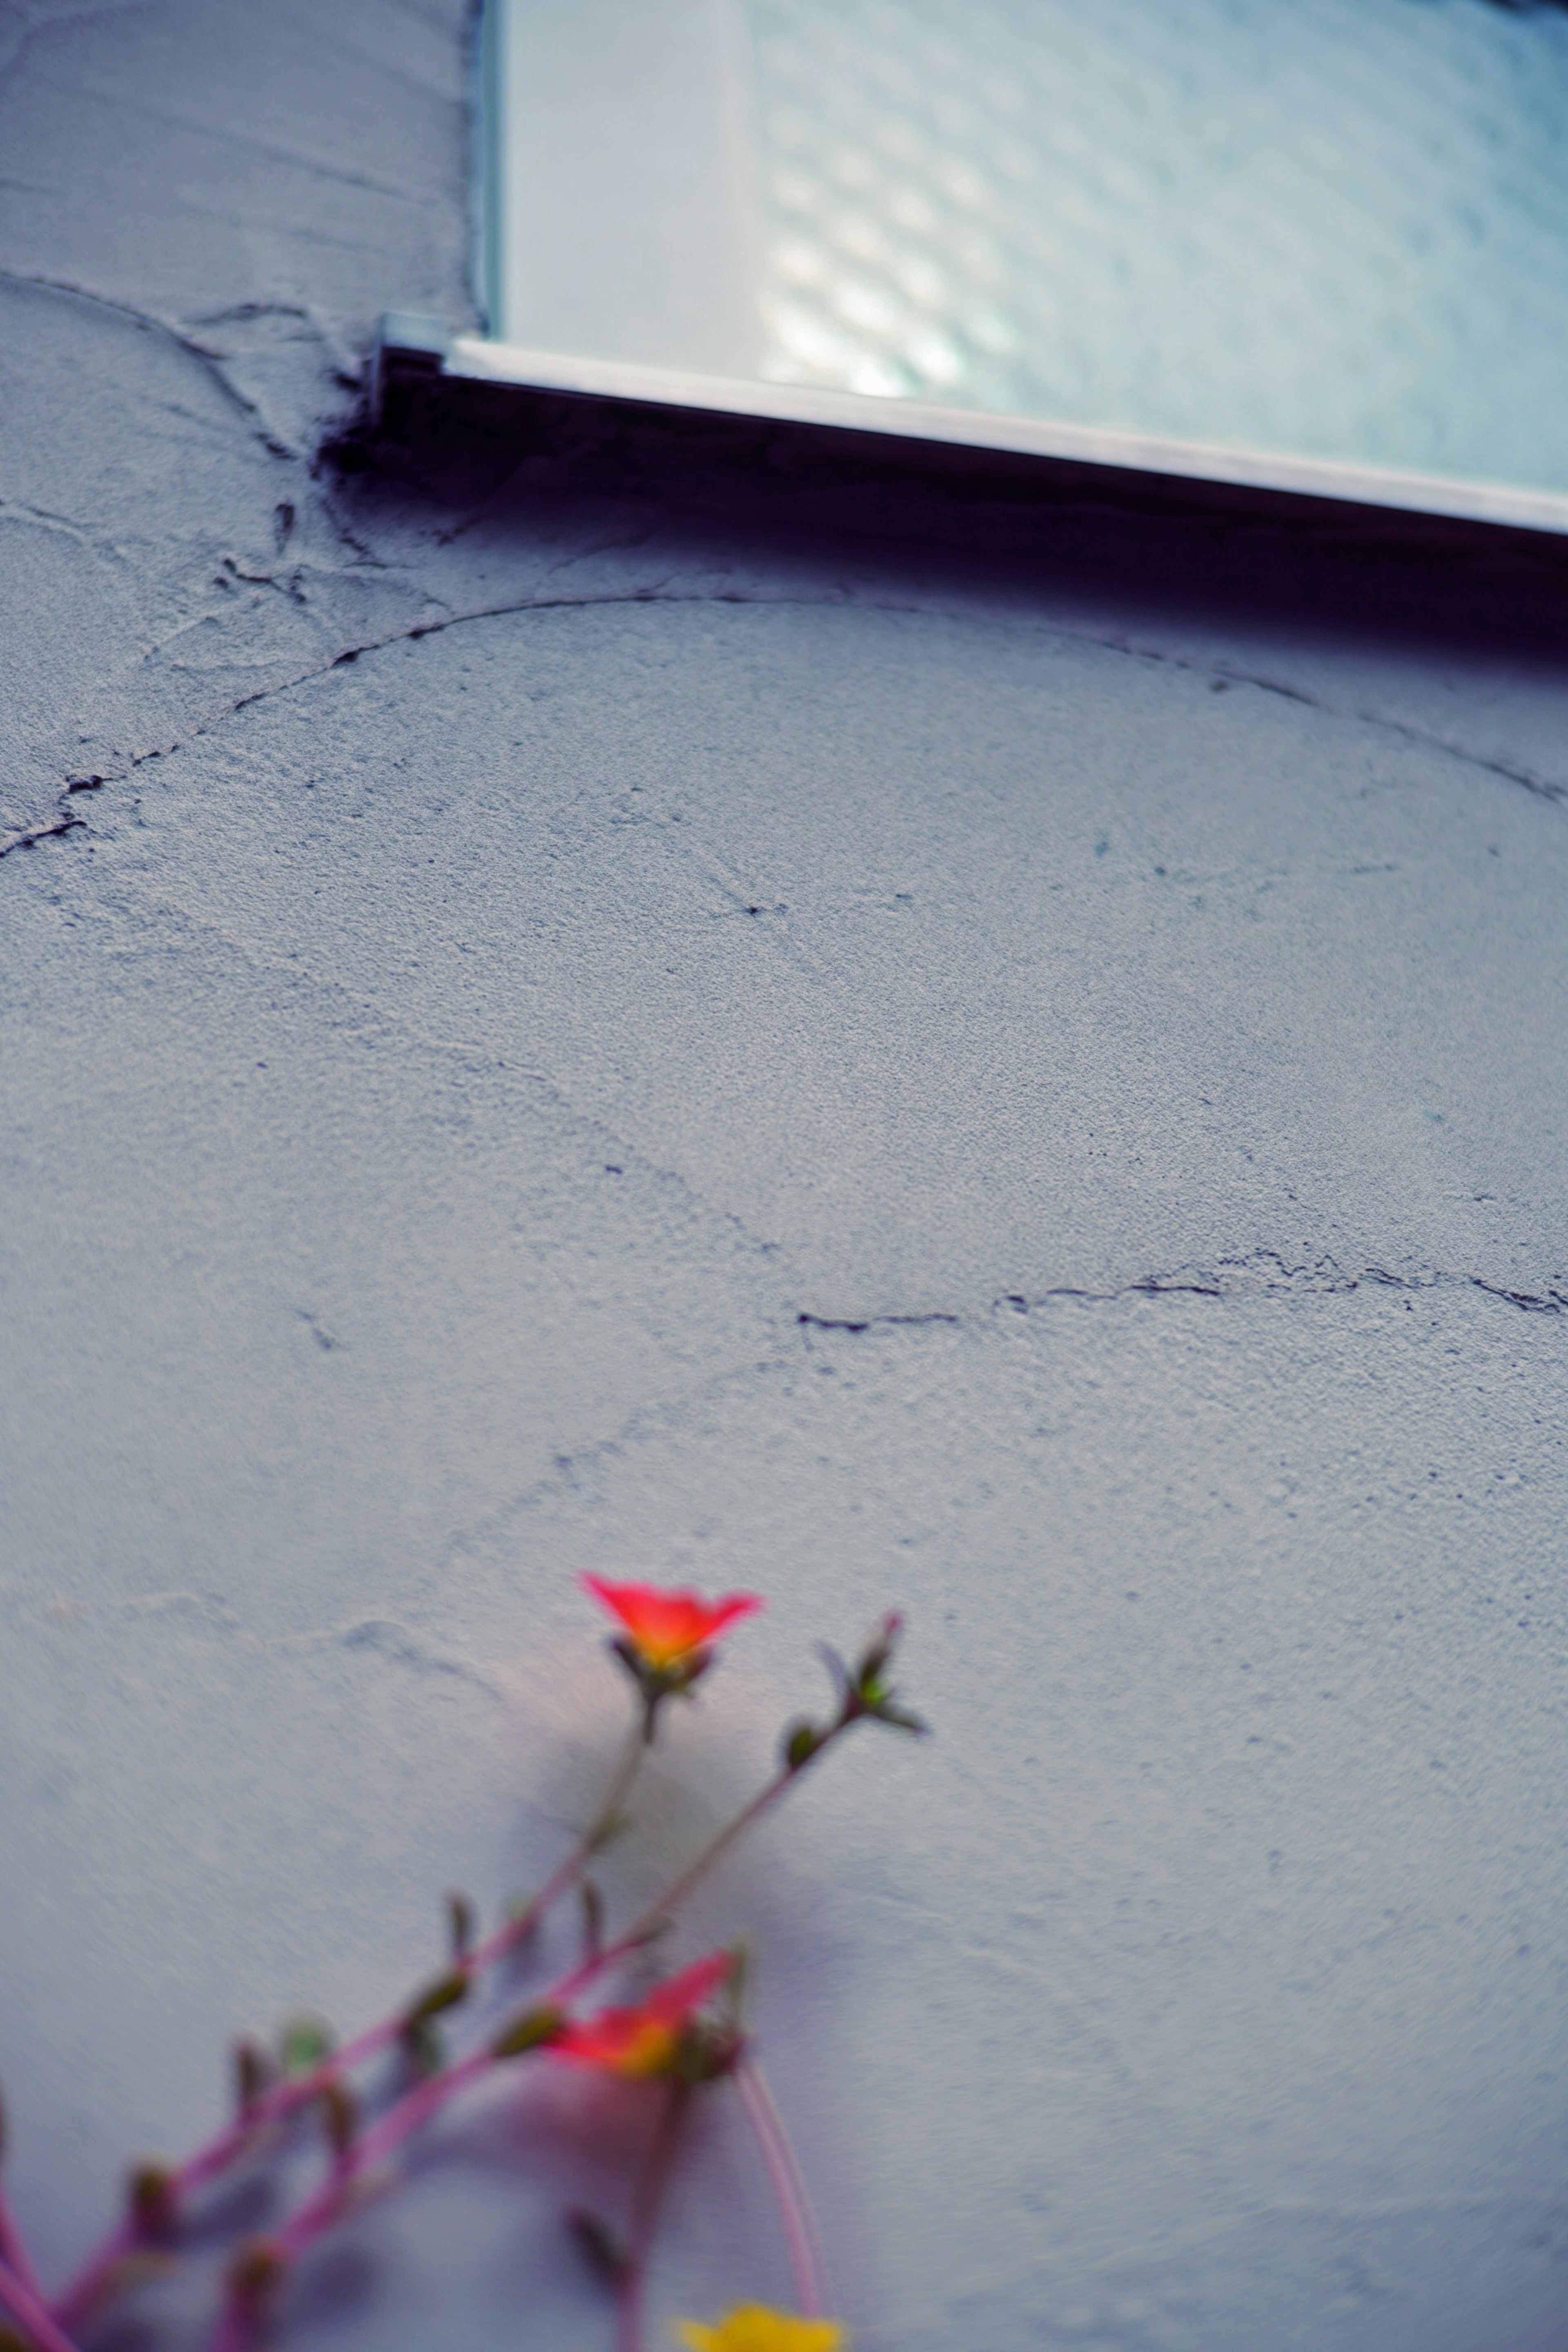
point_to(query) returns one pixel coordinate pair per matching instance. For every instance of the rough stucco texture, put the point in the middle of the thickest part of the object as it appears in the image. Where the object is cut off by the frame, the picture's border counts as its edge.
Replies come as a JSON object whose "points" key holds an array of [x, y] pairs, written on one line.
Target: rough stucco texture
{"points": [[792, 1060]]}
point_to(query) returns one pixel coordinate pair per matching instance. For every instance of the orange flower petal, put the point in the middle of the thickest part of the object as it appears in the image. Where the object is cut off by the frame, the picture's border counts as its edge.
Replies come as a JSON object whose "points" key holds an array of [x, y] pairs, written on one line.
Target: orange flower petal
{"points": [[667, 1625], [643, 2039]]}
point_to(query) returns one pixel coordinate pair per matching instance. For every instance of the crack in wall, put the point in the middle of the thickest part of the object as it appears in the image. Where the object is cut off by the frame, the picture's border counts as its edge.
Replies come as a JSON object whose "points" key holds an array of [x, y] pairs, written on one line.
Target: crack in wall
{"points": [[547, 1089], [17, 42], [1223, 674], [151, 323], [24, 837], [648, 1420], [15, 510], [1542, 788], [1261, 1275], [209, 1616], [60, 822], [241, 313], [47, 828]]}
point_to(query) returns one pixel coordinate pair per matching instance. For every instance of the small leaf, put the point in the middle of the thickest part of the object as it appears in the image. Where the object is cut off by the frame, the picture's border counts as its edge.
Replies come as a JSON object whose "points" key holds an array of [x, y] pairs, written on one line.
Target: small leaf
{"points": [[253, 2073], [256, 2268], [422, 2047], [306, 2040], [445, 1993], [460, 1920], [597, 2246], [801, 1741], [528, 2032], [592, 1903], [901, 1719], [150, 2197]]}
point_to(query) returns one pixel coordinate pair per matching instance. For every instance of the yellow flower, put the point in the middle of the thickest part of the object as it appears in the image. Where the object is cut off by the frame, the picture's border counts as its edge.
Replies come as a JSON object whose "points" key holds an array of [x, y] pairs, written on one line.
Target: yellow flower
{"points": [[751, 2327]]}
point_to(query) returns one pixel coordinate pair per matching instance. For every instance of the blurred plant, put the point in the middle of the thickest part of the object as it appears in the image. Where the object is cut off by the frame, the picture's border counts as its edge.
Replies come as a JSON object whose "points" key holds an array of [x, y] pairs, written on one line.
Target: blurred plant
{"points": [[673, 2038]]}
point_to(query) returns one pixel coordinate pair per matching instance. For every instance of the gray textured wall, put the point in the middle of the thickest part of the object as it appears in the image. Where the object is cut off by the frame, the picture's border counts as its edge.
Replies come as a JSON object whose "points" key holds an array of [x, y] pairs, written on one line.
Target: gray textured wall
{"points": [[803, 1034]]}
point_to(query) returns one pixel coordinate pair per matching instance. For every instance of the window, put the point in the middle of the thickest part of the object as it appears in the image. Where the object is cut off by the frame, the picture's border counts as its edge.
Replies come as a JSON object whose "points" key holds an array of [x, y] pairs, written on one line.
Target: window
{"points": [[1317, 244]]}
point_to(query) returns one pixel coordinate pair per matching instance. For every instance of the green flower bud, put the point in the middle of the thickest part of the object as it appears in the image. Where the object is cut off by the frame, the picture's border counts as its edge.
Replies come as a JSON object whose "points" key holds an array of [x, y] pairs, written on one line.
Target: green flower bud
{"points": [[256, 2268], [306, 2040], [530, 2032], [445, 1993], [149, 2195], [801, 1741]]}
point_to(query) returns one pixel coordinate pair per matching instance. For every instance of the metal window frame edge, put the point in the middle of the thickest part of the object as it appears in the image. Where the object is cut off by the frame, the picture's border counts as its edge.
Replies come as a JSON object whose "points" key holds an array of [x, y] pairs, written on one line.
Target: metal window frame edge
{"points": [[410, 345]]}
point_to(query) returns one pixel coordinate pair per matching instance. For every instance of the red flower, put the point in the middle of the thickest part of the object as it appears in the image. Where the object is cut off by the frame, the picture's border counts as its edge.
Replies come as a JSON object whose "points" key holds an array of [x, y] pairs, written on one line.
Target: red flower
{"points": [[644, 2039], [667, 1629]]}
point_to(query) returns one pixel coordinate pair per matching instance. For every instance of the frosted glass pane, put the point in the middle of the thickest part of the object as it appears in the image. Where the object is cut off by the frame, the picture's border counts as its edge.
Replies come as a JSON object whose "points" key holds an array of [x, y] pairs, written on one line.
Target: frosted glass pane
{"points": [[1332, 228]]}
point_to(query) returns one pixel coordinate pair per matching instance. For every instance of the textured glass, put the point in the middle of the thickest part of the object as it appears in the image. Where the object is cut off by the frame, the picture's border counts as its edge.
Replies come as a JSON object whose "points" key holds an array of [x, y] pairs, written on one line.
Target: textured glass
{"points": [[1336, 228]]}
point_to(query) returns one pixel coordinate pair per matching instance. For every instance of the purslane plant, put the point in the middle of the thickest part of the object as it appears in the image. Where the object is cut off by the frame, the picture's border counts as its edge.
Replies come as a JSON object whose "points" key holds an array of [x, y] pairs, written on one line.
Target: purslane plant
{"points": [[685, 2035]]}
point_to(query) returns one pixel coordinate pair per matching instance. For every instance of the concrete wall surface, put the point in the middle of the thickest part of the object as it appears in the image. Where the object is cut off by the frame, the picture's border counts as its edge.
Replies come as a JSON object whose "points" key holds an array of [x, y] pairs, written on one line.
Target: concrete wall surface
{"points": [[575, 1002]]}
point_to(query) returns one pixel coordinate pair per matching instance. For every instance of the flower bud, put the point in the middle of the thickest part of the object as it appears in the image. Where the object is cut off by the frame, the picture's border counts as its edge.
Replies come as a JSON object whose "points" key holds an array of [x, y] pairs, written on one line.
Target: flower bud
{"points": [[460, 1920], [253, 2073], [256, 2268], [879, 1650], [445, 1993], [530, 2031], [306, 2040], [149, 2195], [867, 1691], [801, 1741], [706, 2054], [592, 1903]]}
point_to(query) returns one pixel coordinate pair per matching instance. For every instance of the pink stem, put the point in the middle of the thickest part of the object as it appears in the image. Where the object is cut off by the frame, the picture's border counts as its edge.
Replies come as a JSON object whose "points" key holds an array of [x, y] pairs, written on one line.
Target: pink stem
{"points": [[789, 2188], [400, 2122], [286, 2099], [651, 2187], [659, 1913], [14, 2247], [317, 2215], [416, 2107], [32, 2314]]}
